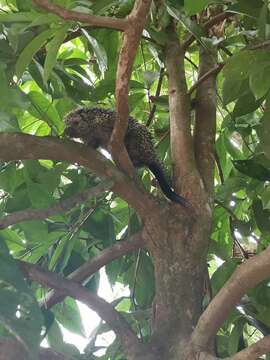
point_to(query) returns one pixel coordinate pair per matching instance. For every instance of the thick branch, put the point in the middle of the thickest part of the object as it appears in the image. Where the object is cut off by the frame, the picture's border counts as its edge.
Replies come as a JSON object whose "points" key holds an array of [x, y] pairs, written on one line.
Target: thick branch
{"points": [[61, 206], [98, 21], [252, 352], [181, 141], [84, 272], [106, 311], [131, 40], [205, 122], [245, 277], [33, 147]]}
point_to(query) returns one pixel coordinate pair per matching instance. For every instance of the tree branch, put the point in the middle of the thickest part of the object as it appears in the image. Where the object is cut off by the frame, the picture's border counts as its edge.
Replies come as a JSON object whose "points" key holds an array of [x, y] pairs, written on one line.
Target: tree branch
{"points": [[253, 351], [207, 25], [205, 120], [131, 40], [245, 277], [61, 206], [183, 160], [11, 349], [106, 311], [91, 266], [34, 147], [214, 71], [98, 21]]}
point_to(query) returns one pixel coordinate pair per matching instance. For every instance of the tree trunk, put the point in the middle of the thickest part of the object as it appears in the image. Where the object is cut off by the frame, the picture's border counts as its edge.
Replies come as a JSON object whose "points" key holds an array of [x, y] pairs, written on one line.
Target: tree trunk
{"points": [[179, 254]]}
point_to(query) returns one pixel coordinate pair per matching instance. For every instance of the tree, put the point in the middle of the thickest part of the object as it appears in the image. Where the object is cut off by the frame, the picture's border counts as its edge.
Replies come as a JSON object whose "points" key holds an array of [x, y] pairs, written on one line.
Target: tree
{"points": [[197, 74]]}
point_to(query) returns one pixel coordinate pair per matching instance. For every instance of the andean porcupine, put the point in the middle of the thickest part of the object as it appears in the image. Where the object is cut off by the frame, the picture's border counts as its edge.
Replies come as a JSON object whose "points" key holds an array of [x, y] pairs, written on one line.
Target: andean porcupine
{"points": [[94, 127]]}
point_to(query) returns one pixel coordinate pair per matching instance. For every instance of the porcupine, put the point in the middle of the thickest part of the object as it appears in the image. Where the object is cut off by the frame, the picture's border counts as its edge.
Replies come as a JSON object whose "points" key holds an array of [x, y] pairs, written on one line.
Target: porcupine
{"points": [[94, 126]]}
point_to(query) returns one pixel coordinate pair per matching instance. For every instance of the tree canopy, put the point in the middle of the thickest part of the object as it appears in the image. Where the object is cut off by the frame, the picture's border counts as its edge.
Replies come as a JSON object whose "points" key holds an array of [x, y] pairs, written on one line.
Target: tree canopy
{"points": [[197, 74]]}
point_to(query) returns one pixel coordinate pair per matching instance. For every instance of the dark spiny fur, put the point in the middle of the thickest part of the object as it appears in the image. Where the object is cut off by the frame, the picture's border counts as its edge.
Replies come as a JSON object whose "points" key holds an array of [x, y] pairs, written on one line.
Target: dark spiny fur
{"points": [[94, 127]]}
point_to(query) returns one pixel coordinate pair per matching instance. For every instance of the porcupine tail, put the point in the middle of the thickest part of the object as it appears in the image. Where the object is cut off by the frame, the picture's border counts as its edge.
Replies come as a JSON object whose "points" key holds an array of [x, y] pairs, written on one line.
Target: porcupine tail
{"points": [[158, 171]]}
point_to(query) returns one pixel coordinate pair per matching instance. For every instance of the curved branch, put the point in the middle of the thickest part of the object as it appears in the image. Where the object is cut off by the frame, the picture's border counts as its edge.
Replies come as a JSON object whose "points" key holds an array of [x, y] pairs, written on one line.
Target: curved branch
{"points": [[253, 351], [131, 40], [105, 310], [34, 147], [214, 71], [91, 266], [98, 21], [61, 206], [245, 277]]}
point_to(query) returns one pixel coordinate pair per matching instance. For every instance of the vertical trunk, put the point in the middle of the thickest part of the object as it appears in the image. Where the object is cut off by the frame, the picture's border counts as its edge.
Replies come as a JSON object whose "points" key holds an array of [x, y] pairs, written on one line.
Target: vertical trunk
{"points": [[205, 124], [180, 269]]}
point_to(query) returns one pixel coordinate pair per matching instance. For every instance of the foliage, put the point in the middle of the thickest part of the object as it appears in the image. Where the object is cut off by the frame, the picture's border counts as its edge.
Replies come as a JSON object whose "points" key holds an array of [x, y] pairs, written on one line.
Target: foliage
{"points": [[48, 68]]}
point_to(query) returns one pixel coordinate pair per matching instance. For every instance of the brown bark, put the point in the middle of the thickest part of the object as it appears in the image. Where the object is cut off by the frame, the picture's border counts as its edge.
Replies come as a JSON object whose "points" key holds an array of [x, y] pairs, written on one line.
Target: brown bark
{"points": [[176, 239], [97, 21], [205, 122], [131, 39], [33, 147], [186, 177]]}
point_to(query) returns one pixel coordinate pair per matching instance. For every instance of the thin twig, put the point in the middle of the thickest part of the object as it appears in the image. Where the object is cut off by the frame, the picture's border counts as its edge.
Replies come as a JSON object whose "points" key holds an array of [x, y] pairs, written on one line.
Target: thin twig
{"points": [[158, 90], [61, 206]]}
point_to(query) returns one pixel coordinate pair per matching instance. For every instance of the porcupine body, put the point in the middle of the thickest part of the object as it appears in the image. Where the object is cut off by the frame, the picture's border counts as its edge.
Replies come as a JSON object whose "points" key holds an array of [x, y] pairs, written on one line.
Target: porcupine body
{"points": [[94, 127]]}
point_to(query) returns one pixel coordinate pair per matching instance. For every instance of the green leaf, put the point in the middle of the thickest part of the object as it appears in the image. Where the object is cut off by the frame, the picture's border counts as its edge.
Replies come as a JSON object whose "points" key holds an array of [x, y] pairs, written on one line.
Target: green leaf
{"points": [[52, 50], [68, 315], [252, 169], [99, 51], [43, 109], [194, 7], [16, 297], [39, 196], [248, 7], [263, 131], [100, 226], [259, 81], [8, 123], [266, 198], [236, 334], [30, 50], [261, 216], [233, 88], [247, 103], [17, 17], [222, 274], [43, 19], [145, 288], [8, 179]]}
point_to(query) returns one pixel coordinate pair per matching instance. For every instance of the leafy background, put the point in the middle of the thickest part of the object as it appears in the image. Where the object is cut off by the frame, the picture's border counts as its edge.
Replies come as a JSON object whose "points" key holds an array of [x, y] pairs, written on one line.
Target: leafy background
{"points": [[49, 67]]}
